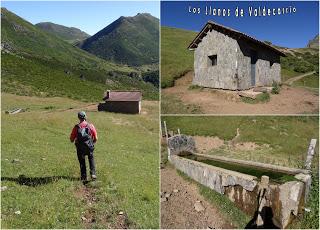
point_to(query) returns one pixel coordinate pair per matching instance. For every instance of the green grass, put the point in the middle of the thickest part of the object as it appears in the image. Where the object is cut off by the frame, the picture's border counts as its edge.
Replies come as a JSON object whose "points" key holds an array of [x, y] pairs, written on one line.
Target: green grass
{"points": [[310, 220], [171, 104], [195, 87], [287, 74], [237, 218], [126, 157], [311, 81], [261, 98], [176, 59]]}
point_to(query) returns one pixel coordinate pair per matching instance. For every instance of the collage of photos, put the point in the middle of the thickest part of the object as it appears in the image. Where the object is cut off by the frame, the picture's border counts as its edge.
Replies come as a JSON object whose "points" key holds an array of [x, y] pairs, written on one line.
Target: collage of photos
{"points": [[159, 114]]}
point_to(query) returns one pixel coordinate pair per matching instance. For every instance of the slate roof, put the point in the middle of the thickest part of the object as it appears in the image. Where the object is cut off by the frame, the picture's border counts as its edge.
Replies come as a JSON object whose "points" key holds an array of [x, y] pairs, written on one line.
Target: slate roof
{"points": [[231, 32], [123, 96]]}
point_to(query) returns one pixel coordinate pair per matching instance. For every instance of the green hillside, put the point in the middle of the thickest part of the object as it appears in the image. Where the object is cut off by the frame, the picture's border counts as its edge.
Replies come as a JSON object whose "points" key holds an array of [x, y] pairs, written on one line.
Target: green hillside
{"points": [[128, 40], [298, 61], [69, 34], [176, 59], [37, 63]]}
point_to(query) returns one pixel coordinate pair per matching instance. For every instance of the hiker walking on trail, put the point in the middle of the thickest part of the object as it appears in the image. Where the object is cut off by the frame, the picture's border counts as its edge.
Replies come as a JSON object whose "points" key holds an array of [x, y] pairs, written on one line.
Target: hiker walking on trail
{"points": [[84, 135]]}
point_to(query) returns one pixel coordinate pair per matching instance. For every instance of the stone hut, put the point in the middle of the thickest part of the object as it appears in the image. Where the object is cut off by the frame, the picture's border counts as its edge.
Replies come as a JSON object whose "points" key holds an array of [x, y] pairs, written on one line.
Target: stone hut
{"points": [[121, 102], [228, 59]]}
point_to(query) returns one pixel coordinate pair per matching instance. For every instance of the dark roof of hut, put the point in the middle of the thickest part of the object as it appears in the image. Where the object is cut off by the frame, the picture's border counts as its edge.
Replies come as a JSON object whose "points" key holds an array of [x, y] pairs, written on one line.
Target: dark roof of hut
{"points": [[123, 96], [230, 32]]}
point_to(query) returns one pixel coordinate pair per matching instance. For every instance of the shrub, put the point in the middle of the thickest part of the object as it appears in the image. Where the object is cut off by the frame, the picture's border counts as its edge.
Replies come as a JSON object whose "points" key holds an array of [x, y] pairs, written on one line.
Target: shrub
{"points": [[264, 97], [261, 98], [275, 88], [195, 87], [49, 107]]}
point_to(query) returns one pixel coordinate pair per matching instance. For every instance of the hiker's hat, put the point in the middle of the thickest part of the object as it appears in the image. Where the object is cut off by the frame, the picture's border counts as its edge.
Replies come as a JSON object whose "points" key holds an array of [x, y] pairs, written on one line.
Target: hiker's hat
{"points": [[82, 115]]}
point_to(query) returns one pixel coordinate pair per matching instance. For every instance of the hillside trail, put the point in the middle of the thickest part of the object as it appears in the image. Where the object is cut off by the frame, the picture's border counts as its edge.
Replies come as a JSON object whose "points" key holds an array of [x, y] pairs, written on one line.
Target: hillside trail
{"points": [[293, 79], [178, 211], [87, 195], [290, 100], [91, 216]]}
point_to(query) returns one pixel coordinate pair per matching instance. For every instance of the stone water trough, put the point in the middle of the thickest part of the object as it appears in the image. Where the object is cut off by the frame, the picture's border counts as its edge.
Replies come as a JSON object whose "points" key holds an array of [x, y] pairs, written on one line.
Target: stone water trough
{"points": [[275, 193]]}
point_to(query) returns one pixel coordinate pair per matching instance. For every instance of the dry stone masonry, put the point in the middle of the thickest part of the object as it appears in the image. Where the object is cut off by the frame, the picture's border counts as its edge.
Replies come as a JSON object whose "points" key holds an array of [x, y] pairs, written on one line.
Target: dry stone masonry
{"points": [[228, 59]]}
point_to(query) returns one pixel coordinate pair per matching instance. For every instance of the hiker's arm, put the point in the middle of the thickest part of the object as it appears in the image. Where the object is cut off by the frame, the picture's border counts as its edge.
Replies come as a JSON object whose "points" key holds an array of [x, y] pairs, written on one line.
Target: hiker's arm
{"points": [[94, 133], [73, 134]]}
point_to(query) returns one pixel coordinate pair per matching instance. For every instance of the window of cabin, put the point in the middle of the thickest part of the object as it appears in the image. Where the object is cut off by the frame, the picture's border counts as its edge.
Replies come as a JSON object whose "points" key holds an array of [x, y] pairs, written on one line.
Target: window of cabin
{"points": [[212, 60]]}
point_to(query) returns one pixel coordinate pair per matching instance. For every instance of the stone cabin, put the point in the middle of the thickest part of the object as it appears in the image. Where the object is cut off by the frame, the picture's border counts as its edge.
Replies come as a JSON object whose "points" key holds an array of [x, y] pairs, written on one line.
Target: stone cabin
{"points": [[121, 102], [228, 59]]}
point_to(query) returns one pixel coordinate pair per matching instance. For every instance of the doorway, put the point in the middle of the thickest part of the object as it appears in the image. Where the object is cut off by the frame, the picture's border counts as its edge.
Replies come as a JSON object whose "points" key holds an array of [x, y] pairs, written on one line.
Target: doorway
{"points": [[253, 55]]}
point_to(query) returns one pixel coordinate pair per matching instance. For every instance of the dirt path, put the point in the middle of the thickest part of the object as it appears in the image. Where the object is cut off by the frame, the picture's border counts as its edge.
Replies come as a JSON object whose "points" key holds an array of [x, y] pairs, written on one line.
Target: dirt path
{"points": [[291, 100], [87, 194], [178, 211], [293, 79]]}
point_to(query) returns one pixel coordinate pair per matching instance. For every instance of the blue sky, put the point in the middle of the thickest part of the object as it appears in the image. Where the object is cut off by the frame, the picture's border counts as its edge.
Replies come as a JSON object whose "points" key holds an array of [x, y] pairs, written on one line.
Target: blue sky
{"points": [[87, 16], [292, 30]]}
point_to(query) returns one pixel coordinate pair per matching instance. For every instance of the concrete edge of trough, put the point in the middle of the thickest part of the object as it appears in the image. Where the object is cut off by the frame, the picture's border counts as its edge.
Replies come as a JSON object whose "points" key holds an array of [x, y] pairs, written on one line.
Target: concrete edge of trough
{"points": [[277, 168], [253, 180]]}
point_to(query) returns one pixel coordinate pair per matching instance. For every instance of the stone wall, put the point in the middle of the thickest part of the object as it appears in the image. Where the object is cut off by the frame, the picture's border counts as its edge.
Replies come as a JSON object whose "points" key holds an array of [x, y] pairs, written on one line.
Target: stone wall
{"points": [[223, 74], [133, 107], [233, 69], [247, 192]]}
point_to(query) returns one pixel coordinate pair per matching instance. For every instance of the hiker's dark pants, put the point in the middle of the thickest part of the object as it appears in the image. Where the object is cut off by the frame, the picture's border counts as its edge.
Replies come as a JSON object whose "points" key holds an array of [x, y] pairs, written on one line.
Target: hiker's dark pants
{"points": [[82, 153]]}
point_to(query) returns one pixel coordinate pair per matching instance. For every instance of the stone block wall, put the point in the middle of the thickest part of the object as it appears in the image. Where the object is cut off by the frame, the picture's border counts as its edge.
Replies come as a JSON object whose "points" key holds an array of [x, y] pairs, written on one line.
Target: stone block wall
{"points": [[131, 107], [233, 69], [285, 200], [221, 75]]}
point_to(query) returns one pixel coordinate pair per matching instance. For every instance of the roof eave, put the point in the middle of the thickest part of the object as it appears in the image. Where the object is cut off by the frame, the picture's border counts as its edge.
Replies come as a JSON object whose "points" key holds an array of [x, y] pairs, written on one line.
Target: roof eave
{"points": [[194, 41]]}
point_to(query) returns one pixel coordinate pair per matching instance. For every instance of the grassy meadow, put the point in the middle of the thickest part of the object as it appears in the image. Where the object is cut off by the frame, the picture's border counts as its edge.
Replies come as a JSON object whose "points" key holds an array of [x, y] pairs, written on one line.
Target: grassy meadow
{"points": [[282, 140], [176, 59], [173, 104], [311, 81], [41, 170]]}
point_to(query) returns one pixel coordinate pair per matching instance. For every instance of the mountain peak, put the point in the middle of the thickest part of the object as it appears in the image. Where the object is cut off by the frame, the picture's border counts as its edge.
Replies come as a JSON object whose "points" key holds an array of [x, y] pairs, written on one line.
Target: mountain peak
{"points": [[69, 34], [314, 43], [128, 40]]}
